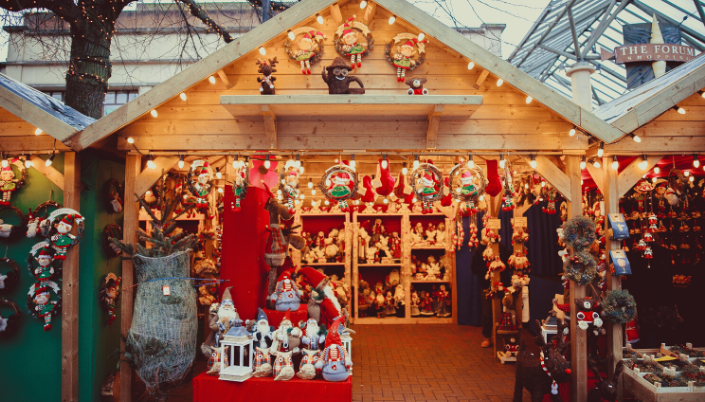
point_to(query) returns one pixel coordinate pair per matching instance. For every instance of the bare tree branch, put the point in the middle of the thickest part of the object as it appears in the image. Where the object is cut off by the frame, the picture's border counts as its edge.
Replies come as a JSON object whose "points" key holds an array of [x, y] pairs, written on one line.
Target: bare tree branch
{"points": [[201, 14]]}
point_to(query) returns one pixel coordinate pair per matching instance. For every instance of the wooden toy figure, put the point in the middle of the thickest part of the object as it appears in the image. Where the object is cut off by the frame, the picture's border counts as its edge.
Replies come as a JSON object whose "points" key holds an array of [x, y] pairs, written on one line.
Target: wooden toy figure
{"points": [[266, 81], [310, 47], [349, 44]]}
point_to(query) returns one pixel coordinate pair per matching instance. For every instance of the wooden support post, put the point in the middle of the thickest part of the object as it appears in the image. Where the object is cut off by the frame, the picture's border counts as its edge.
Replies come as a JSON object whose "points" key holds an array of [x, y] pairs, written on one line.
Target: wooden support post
{"points": [[434, 121], [578, 337], [614, 332], [632, 173], [370, 12], [225, 79], [270, 126], [481, 79], [335, 13], [131, 222], [597, 174], [69, 310]]}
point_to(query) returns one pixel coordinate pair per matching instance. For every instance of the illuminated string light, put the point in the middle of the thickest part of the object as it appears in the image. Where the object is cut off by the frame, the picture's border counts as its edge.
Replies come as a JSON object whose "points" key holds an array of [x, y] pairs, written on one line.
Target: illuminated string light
{"points": [[635, 137], [211, 79], [50, 160], [644, 163], [310, 183], [38, 131], [392, 19], [529, 99], [696, 161], [533, 162], [218, 175], [291, 35], [500, 82], [572, 132], [471, 163], [422, 36], [657, 170], [130, 140], [154, 113], [615, 163], [352, 162], [416, 161], [582, 163], [384, 162], [319, 19], [363, 4], [181, 162], [601, 150], [471, 65], [596, 163], [502, 162], [183, 96], [267, 163], [150, 162], [262, 51]]}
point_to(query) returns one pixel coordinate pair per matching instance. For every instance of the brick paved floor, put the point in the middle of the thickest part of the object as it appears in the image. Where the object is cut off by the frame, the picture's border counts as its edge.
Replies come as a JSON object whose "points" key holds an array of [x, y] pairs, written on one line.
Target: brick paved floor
{"points": [[417, 363]]}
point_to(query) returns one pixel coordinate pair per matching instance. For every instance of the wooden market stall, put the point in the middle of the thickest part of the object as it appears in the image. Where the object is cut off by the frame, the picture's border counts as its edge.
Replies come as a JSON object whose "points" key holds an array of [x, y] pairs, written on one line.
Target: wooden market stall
{"points": [[477, 104]]}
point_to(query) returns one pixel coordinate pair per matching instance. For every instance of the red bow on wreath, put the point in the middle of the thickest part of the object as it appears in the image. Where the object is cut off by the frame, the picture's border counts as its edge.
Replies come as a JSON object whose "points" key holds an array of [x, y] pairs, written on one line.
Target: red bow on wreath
{"points": [[417, 41]]}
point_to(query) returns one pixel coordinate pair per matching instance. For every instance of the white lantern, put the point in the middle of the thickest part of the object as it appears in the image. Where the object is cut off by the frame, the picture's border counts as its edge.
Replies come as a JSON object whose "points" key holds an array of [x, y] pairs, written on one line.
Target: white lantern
{"points": [[346, 339], [237, 343]]}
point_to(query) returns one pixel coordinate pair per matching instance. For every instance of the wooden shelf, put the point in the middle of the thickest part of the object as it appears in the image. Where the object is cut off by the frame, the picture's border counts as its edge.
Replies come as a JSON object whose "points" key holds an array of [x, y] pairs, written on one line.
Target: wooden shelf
{"points": [[341, 214], [422, 281], [380, 265], [398, 320], [380, 214], [433, 214], [325, 264], [428, 247]]}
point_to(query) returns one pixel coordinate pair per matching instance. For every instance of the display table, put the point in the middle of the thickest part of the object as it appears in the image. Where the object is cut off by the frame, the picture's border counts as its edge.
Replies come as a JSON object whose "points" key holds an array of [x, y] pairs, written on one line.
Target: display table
{"points": [[275, 317], [207, 388]]}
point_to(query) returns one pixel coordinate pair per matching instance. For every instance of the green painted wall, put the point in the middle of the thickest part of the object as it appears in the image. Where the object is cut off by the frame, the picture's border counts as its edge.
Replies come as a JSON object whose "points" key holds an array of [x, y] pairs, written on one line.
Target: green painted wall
{"points": [[31, 352]]}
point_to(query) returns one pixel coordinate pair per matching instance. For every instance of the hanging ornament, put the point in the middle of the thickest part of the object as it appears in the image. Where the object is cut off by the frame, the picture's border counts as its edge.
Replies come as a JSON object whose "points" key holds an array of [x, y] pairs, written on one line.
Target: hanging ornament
{"points": [[45, 268], [289, 183], [61, 238], [473, 242], [353, 40], [466, 186], [109, 293], [551, 205], [339, 183], [508, 187], [9, 279], [8, 232], [10, 324], [307, 50], [427, 184], [653, 223], [9, 182], [38, 223], [199, 180], [114, 195], [40, 303], [405, 52], [112, 231], [241, 180]]}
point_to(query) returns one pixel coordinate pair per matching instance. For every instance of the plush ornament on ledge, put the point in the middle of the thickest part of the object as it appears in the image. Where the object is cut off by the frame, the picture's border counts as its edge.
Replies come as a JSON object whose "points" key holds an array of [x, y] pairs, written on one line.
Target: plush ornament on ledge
{"points": [[335, 361], [416, 86], [9, 182], [427, 184], [109, 293], [384, 181], [266, 81], [339, 80]]}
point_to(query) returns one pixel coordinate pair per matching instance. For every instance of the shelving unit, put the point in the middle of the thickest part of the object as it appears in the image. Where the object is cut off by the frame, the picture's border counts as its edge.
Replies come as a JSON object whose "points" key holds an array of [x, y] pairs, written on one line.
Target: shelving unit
{"points": [[404, 219]]}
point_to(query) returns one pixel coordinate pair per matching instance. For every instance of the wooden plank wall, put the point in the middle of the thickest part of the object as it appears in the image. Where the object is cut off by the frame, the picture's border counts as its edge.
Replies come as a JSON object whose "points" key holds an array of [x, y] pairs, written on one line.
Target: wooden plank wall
{"points": [[18, 135], [504, 120], [671, 132]]}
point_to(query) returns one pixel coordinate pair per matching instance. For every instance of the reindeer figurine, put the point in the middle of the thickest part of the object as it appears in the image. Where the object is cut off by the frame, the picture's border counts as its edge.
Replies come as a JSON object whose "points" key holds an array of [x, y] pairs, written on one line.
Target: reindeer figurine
{"points": [[605, 389], [279, 240], [541, 374], [266, 81]]}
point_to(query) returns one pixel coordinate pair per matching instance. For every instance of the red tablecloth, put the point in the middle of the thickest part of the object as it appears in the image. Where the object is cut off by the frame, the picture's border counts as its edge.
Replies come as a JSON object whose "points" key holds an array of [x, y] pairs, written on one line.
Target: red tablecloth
{"points": [[275, 317], [208, 388]]}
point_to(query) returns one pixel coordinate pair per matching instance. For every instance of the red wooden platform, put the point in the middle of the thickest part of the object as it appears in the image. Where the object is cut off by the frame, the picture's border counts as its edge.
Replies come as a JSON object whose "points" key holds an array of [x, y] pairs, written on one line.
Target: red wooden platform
{"points": [[208, 388]]}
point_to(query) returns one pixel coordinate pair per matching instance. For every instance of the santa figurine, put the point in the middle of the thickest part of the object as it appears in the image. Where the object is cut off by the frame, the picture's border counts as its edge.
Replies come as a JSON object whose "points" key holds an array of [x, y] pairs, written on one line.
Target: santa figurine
{"points": [[426, 305], [389, 305], [340, 188], [262, 330], [395, 245], [314, 336], [227, 316], [286, 338], [43, 304], [287, 295], [335, 362], [44, 258], [323, 302], [415, 300], [63, 239]]}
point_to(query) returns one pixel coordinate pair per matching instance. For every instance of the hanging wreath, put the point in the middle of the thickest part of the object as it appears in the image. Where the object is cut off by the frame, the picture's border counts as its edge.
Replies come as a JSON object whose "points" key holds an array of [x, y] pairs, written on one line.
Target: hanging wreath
{"points": [[111, 230], [581, 268], [69, 218], [9, 280], [10, 233], [199, 184], [427, 185], [308, 50], [114, 195], [579, 233], [410, 53], [348, 44], [339, 183], [10, 324], [240, 183], [9, 182], [37, 223], [619, 307], [41, 262], [40, 303], [466, 185]]}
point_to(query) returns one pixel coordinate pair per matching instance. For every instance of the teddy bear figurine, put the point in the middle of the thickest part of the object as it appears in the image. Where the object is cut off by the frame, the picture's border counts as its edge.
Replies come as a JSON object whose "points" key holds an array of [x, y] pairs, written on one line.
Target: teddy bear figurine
{"points": [[416, 86]]}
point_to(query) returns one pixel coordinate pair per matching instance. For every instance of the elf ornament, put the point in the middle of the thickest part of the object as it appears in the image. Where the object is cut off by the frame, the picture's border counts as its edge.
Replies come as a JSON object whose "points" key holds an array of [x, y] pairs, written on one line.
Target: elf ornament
{"points": [[9, 182], [353, 40], [40, 303], [199, 180], [109, 293], [9, 280], [38, 224], [466, 185], [405, 52], [339, 183], [63, 239], [335, 362], [289, 183], [241, 181], [427, 184], [308, 49]]}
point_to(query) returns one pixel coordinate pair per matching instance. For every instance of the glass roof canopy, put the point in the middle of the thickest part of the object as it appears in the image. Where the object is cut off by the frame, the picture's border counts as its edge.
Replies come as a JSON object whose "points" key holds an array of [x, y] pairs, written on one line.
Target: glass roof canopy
{"points": [[549, 46]]}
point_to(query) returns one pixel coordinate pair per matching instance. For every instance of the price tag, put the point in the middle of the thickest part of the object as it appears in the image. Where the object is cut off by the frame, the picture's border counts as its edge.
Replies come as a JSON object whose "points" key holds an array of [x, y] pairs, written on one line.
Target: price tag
{"points": [[666, 359], [494, 224], [521, 222], [166, 290]]}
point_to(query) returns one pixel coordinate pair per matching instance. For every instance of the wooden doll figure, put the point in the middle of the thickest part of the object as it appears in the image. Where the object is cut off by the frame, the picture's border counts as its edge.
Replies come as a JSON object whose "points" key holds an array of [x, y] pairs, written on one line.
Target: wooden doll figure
{"points": [[426, 305], [415, 312], [403, 59], [266, 81], [351, 47], [8, 184]]}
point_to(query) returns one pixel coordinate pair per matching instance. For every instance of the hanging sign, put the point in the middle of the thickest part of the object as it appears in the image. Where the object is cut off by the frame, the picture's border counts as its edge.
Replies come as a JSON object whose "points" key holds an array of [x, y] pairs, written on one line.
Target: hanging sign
{"points": [[620, 230], [521, 222], [649, 52], [494, 224], [621, 263]]}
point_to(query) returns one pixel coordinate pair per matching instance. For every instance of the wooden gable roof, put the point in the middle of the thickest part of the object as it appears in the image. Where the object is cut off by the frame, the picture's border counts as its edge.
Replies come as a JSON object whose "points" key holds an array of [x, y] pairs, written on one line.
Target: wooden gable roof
{"points": [[466, 108]]}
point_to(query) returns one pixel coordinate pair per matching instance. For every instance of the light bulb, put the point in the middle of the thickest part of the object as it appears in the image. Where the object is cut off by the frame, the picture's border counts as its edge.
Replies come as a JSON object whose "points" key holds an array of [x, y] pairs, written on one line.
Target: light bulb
{"points": [[644, 163], [471, 65], [482, 197], [686, 173], [211, 79], [582, 163], [154, 113], [422, 36], [416, 162], [636, 138], [279, 197], [50, 160], [363, 4], [319, 19], [696, 161], [267, 163], [502, 162], [543, 184], [500, 82], [326, 202], [596, 163], [384, 163], [218, 175], [353, 163], [681, 110], [357, 202], [291, 35], [181, 162], [183, 96], [392, 19], [471, 163], [220, 190], [236, 163], [615, 163], [529, 99], [5, 163], [457, 190], [601, 150], [526, 186], [297, 202], [150, 163], [130, 140], [28, 163], [404, 171], [38, 131], [657, 170], [262, 51], [702, 93], [571, 132], [386, 201], [533, 162], [302, 196], [313, 192], [310, 183], [692, 179], [654, 179], [279, 192], [301, 169], [413, 199]]}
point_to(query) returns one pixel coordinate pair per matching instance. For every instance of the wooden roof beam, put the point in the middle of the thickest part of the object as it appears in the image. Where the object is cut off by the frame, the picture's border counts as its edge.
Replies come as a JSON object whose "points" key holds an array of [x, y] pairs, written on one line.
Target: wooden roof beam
{"points": [[270, 125], [370, 12], [148, 177], [553, 175], [49, 172], [434, 121], [481, 79], [632, 173], [336, 14], [224, 77]]}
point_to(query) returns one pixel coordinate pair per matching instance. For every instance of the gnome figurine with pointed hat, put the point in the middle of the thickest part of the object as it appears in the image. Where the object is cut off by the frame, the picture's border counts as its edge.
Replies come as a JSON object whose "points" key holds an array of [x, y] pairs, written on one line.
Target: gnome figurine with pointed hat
{"points": [[288, 295], [227, 314], [323, 304], [335, 362], [63, 239], [263, 331]]}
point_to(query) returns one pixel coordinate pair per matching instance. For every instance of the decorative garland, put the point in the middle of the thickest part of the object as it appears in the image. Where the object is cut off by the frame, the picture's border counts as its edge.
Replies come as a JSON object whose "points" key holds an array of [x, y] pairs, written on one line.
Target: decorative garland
{"points": [[9, 281], [578, 234], [581, 268], [11, 233], [111, 230], [619, 307], [114, 195], [38, 224], [339, 183], [10, 324]]}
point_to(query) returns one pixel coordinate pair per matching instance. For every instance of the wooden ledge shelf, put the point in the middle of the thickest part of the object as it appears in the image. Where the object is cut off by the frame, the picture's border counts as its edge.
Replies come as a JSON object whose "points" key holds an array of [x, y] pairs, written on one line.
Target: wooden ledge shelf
{"points": [[423, 281], [428, 247], [352, 106], [319, 214], [324, 264], [380, 265], [399, 320]]}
